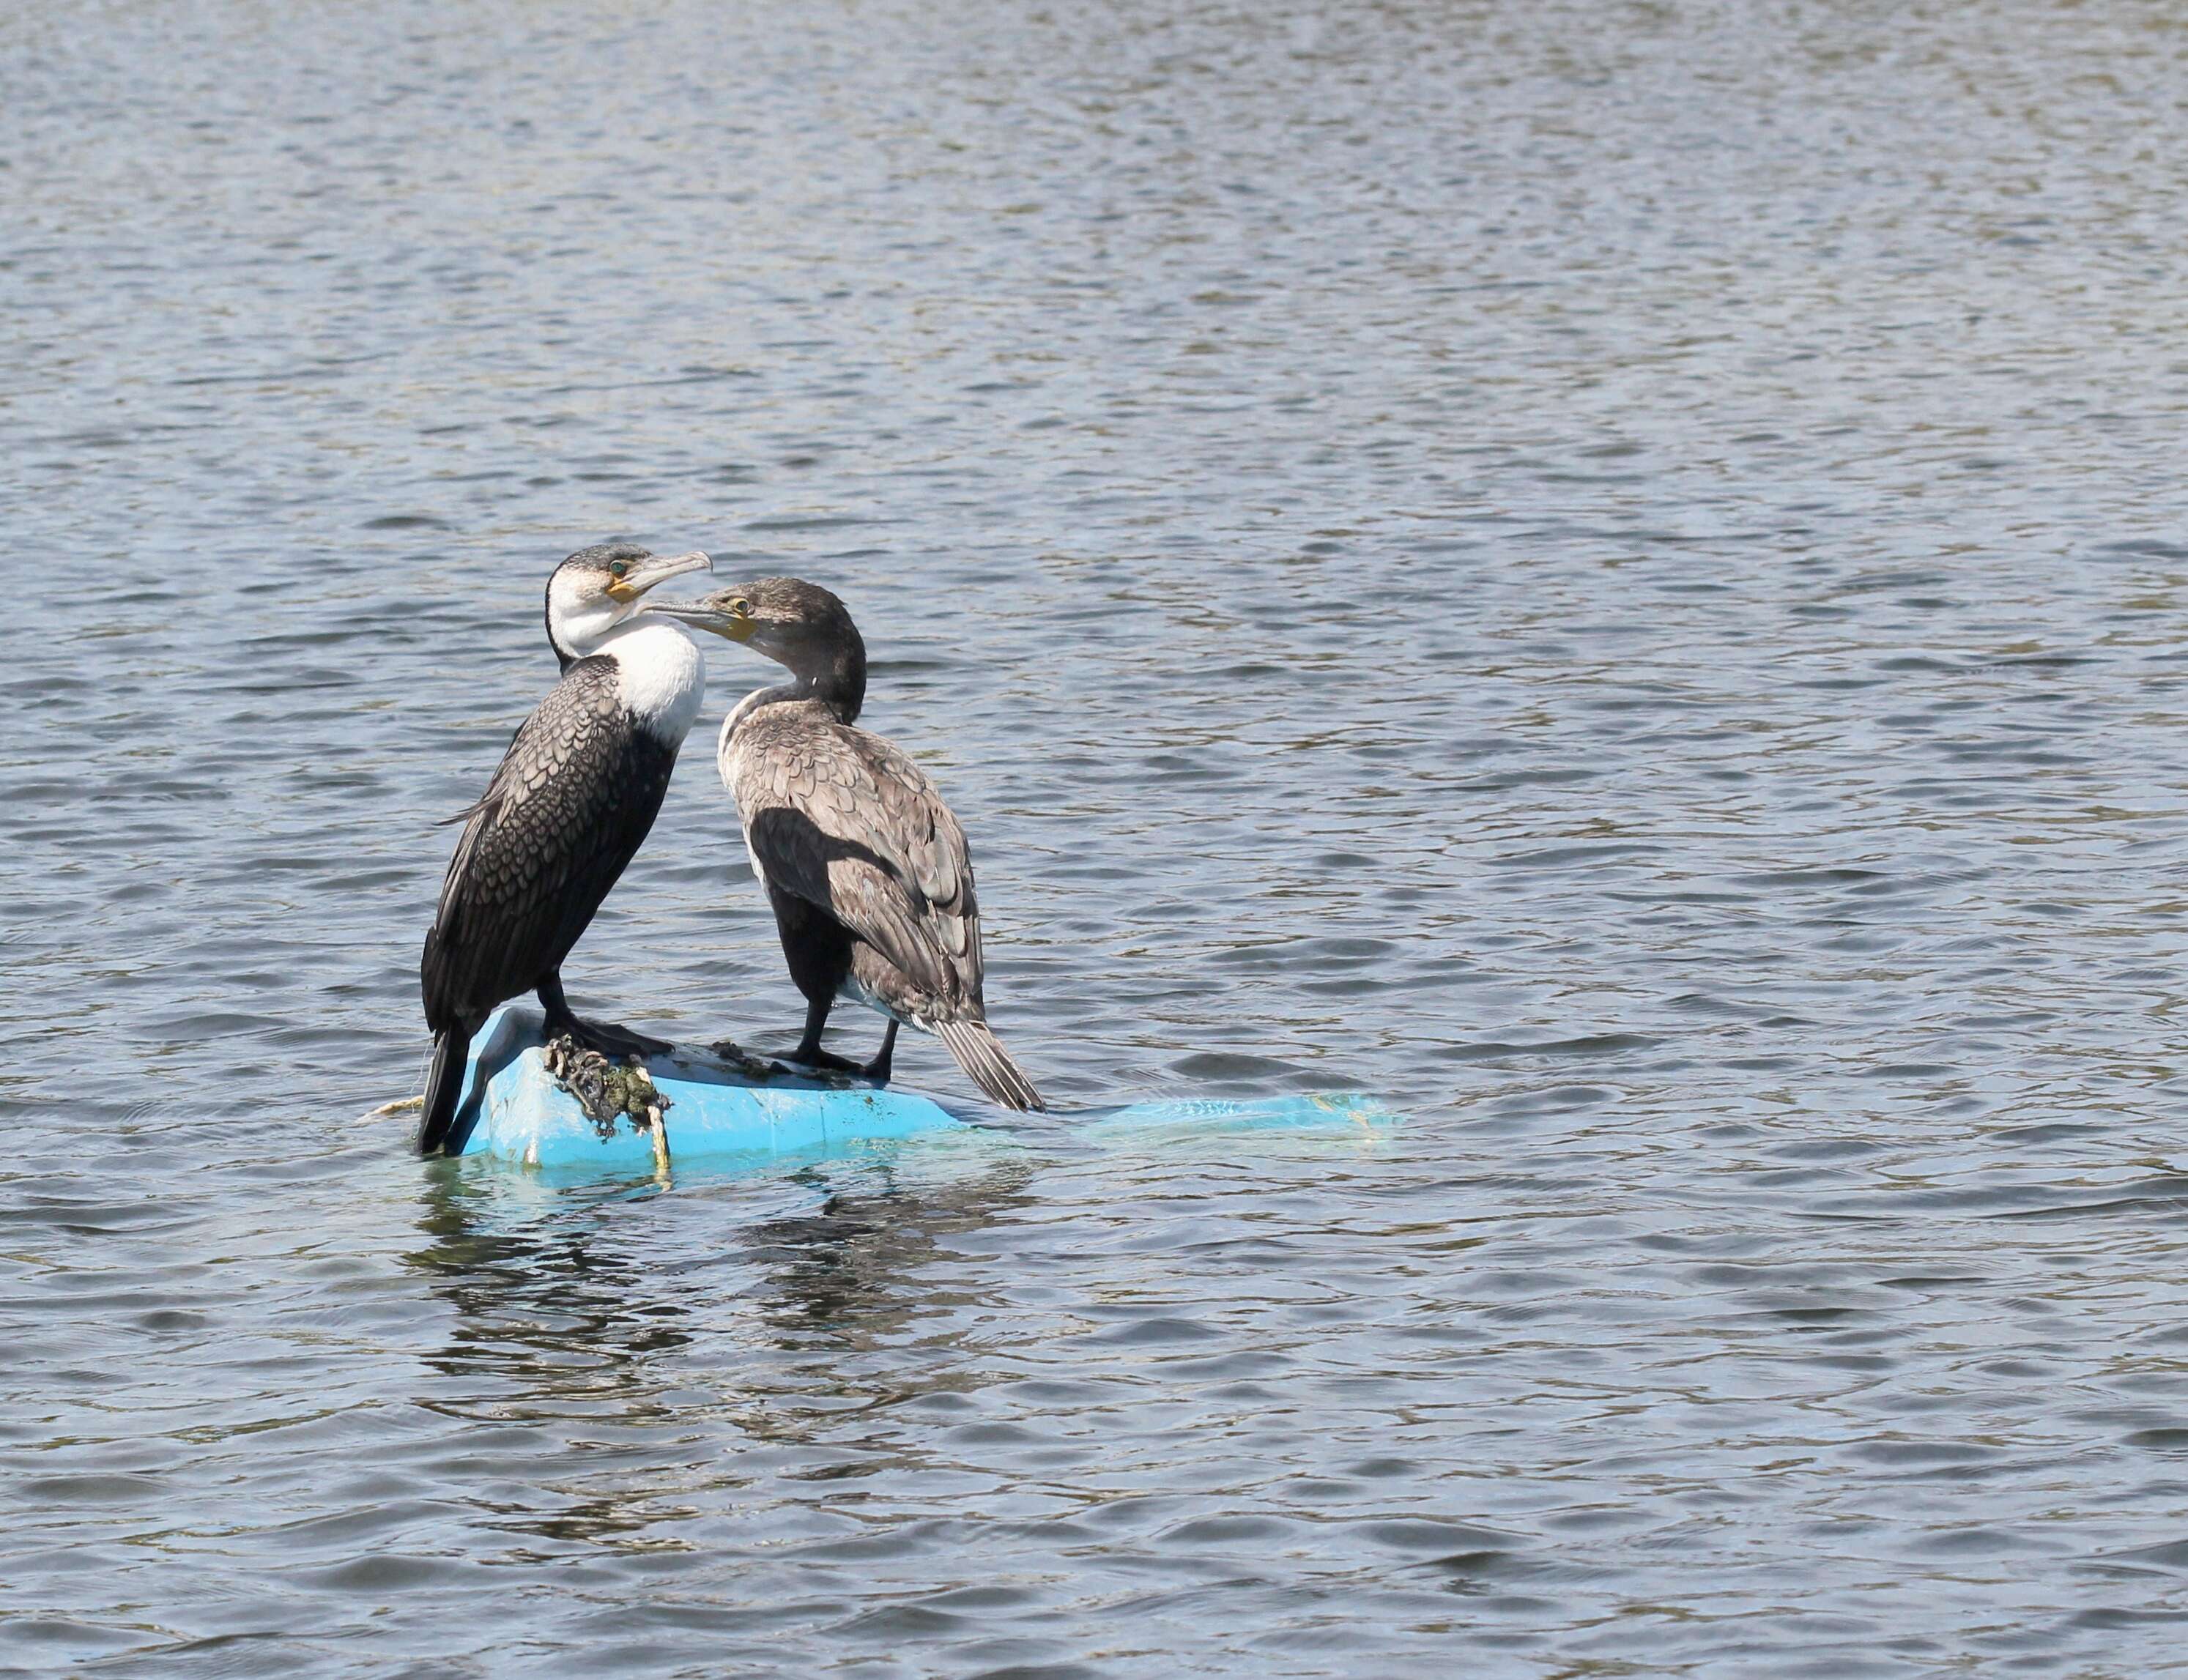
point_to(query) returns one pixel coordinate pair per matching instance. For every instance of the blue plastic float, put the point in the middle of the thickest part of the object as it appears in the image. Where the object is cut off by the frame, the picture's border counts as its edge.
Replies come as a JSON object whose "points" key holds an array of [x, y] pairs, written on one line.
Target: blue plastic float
{"points": [[723, 1113]]}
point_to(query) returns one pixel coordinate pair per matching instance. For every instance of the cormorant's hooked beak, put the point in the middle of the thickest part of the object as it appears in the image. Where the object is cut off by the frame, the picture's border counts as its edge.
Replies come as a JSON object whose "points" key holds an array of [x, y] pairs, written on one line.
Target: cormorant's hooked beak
{"points": [[706, 614], [658, 569]]}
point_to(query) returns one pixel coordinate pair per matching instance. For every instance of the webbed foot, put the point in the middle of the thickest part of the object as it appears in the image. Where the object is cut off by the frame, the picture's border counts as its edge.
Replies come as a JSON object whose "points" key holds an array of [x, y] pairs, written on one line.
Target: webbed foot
{"points": [[818, 1061], [809, 1058], [607, 1037]]}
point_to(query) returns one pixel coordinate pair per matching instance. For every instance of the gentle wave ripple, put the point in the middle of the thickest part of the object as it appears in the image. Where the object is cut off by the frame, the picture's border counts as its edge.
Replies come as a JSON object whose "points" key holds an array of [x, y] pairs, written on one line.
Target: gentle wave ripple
{"points": [[1610, 576]]}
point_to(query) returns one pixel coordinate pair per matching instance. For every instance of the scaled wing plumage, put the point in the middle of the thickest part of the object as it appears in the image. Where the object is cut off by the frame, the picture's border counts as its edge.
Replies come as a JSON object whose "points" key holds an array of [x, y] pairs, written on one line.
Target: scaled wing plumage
{"points": [[841, 819], [573, 799]]}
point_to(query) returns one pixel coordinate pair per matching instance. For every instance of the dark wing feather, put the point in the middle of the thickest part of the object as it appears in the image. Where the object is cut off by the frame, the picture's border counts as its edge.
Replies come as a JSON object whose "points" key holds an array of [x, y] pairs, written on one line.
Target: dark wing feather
{"points": [[564, 815], [842, 820]]}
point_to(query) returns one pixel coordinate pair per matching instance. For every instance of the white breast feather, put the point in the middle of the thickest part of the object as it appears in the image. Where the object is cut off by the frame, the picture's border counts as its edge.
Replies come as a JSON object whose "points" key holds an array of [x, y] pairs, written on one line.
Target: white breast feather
{"points": [[660, 678]]}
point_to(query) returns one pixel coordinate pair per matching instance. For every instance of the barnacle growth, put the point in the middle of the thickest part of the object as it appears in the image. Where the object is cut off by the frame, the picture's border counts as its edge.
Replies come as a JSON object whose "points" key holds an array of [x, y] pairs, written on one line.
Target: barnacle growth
{"points": [[609, 1091]]}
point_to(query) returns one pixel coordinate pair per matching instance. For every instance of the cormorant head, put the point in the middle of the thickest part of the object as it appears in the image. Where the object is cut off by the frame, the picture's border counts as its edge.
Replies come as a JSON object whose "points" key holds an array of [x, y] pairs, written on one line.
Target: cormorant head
{"points": [[596, 589], [799, 625]]}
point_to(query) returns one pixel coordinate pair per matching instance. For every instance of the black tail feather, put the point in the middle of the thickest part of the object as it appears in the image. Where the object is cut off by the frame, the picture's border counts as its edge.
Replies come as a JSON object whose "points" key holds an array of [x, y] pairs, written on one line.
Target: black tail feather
{"points": [[981, 1054], [444, 1087]]}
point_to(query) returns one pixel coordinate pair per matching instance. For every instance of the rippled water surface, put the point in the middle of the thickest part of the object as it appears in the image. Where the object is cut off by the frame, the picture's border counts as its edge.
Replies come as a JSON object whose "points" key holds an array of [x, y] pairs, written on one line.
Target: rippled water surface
{"points": [[1611, 575]]}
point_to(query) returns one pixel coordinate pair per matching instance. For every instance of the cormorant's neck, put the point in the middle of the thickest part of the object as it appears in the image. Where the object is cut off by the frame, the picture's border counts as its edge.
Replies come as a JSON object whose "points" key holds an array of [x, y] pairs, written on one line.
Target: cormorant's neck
{"points": [[564, 656], [660, 678], [837, 678], [576, 637], [576, 626]]}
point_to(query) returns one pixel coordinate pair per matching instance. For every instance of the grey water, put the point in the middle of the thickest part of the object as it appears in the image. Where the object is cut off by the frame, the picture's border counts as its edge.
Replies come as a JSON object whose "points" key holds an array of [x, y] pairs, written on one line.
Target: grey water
{"points": [[1610, 576]]}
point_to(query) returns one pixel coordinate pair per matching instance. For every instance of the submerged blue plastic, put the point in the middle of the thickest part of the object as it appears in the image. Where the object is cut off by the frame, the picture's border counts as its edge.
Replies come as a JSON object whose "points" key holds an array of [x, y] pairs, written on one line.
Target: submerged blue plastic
{"points": [[724, 1114]]}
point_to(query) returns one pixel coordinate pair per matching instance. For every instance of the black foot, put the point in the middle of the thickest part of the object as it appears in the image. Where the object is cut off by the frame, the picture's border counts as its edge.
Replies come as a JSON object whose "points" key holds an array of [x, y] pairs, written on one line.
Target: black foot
{"points": [[607, 1037], [825, 1060], [809, 1056]]}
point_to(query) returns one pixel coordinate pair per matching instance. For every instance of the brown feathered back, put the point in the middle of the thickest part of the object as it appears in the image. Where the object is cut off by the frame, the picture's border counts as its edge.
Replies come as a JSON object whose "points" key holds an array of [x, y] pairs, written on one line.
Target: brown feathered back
{"points": [[842, 820]]}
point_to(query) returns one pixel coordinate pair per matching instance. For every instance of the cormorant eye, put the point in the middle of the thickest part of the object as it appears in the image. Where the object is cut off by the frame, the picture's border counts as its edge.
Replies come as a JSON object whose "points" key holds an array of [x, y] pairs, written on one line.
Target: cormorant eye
{"points": [[616, 568], [741, 607]]}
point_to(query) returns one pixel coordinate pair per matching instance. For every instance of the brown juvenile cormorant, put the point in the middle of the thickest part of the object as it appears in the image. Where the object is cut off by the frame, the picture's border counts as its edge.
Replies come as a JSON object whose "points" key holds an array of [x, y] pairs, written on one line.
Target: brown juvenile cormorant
{"points": [[866, 868], [575, 795]]}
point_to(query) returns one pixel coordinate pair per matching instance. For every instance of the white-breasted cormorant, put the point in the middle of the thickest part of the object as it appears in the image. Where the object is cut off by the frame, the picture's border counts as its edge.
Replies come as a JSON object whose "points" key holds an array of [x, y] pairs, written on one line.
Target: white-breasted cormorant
{"points": [[574, 797], [866, 868]]}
